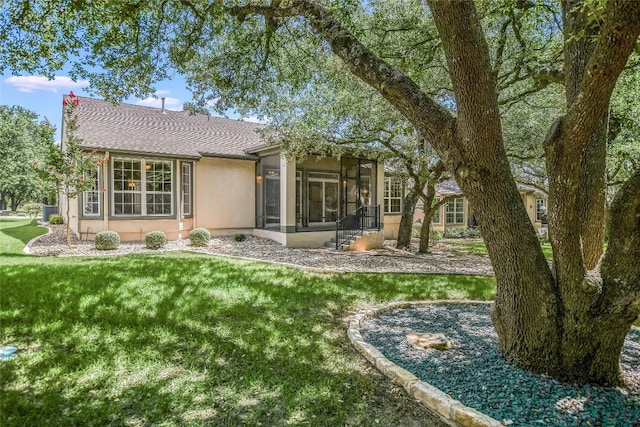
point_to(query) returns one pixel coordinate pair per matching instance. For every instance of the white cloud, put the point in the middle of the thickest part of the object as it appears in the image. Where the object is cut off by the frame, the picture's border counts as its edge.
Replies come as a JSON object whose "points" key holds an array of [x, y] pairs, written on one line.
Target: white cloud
{"points": [[42, 83], [254, 119], [169, 103]]}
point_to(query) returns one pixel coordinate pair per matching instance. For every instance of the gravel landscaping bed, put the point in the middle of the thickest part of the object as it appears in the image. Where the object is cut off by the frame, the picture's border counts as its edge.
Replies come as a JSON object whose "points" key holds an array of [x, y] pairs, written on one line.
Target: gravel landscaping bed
{"points": [[438, 261], [474, 373]]}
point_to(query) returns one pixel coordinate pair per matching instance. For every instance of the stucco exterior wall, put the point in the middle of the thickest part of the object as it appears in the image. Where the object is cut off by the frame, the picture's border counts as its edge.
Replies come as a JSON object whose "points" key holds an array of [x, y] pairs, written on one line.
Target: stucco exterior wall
{"points": [[391, 226], [224, 194], [132, 230]]}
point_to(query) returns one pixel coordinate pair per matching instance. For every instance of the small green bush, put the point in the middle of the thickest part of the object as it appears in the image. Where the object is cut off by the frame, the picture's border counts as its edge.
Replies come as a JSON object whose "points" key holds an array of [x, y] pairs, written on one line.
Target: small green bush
{"points": [[240, 237], [56, 219], [107, 240], [32, 208], [199, 237], [453, 233], [462, 233], [155, 239], [434, 236], [472, 233], [416, 229]]}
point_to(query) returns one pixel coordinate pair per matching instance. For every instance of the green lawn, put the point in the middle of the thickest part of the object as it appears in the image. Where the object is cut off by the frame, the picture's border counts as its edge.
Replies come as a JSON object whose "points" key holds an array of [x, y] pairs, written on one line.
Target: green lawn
{"points": [[188, 339], [479, 248], [16, 233]]}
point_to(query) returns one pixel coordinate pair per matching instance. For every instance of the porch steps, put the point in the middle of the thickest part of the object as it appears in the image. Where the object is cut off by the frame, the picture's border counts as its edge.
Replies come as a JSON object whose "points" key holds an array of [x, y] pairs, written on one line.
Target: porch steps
{"points": [[331, 244]]}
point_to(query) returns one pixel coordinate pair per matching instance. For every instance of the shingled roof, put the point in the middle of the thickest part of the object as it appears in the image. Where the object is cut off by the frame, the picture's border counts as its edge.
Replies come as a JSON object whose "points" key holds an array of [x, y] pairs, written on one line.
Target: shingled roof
{"points": [[451, 188], [146, 130]]}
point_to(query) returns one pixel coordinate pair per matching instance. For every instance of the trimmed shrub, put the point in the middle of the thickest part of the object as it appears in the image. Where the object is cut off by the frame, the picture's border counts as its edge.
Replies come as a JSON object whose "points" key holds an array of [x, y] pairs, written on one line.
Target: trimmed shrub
{"points": [[107, 240], [472, 233], [155, 239], [56, 219], [199, 237], [454, 233], [416, 229], [240, 237], [32, 208], [462, 233], [434, 236]]}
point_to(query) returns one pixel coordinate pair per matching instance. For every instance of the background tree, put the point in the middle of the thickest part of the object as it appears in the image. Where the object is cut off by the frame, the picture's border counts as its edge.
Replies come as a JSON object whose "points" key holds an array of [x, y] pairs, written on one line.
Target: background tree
{"points": [[23, 140], [569, 322], [69, 169]]}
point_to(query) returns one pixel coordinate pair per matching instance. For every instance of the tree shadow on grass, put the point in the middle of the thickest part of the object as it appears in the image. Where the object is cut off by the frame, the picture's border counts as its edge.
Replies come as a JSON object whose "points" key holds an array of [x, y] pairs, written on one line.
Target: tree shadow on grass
{"points": [[188, 339]]}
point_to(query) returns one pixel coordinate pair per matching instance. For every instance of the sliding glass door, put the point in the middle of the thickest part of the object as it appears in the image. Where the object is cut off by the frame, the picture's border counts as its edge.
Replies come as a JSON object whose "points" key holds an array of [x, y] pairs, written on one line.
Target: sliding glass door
{"points": [[323, 197]]}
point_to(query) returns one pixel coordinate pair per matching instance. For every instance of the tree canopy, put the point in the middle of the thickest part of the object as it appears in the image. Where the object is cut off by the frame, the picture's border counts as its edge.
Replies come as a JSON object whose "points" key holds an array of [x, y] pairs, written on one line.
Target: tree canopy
{"points": [[24, 139], [568, 321]]}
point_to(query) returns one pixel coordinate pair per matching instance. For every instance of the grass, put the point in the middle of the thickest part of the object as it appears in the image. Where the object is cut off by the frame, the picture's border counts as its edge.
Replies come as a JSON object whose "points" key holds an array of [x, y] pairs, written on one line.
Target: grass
{"points": [[16, 233], [188, 339], [479, 248]]}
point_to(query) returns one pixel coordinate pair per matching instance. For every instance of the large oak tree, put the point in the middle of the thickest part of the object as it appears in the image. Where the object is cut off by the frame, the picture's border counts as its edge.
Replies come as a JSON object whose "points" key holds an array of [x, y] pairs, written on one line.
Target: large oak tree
{"points": [[569, 320]]}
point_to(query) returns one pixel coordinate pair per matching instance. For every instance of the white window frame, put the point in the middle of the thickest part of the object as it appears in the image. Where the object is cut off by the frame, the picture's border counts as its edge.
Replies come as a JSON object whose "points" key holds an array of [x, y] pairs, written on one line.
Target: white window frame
{"points": [[454, 213], [435, 219], [186, 198], [139, 188], [393, 194], [539, 212], [92, 197]]}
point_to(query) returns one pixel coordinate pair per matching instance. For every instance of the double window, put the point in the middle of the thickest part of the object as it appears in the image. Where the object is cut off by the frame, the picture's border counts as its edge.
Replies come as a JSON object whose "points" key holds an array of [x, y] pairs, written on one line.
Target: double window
{"points": [[142, 187], [455, 211], [393, 187]]}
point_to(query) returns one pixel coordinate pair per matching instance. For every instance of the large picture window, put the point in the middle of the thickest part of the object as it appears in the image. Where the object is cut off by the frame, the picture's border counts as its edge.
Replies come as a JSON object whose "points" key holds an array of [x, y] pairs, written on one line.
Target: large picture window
{"points": [[91, 198], [393, 195], [455, 211], [142, 188]]}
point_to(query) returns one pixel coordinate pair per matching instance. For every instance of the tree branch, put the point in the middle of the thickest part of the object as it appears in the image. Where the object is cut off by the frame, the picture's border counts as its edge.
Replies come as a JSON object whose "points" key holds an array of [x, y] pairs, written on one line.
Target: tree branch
{"points": [[609, 58]]}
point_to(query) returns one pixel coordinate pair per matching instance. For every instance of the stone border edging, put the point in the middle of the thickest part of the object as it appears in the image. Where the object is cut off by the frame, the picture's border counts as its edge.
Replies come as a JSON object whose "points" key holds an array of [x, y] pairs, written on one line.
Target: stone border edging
{"points": [[451, 411], [27, 247]]}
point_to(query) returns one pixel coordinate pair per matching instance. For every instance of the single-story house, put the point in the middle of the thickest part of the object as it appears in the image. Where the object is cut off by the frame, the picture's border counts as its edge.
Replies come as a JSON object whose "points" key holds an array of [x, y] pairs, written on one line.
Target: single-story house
{"points": [[457, 213], [174, 171]]}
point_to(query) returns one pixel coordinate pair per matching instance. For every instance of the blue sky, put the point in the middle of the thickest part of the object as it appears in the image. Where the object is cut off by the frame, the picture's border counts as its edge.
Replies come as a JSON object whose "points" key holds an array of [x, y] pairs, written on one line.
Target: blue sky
{"points": [[44, 96]]}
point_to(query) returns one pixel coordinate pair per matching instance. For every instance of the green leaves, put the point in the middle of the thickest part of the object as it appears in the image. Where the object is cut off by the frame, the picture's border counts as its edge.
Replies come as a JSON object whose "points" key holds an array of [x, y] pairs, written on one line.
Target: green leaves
{"points": [[23, 140]]}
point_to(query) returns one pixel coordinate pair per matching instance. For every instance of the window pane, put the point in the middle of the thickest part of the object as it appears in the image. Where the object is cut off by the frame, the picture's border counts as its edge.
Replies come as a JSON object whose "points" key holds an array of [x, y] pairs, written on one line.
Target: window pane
{"points": [[127, 187], [393, 189], [91, 198], [186, 188]]}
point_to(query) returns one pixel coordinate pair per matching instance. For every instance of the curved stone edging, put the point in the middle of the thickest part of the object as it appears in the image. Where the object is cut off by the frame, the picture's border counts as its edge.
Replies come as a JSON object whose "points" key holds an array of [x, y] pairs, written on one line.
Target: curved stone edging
{"points": [[27, 248], [451, 411]]}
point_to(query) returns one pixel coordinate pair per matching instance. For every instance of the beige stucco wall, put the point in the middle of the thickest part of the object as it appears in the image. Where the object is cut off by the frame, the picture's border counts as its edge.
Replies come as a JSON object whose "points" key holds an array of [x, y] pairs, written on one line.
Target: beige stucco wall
{"points": [[307, 239], [132, 230], [223, 202], [391, 226], [224, 194]]}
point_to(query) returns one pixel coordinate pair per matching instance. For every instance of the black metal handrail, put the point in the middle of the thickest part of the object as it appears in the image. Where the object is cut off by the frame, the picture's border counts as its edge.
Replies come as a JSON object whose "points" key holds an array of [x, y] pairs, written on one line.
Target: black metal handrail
{"points": [[366, 217]]}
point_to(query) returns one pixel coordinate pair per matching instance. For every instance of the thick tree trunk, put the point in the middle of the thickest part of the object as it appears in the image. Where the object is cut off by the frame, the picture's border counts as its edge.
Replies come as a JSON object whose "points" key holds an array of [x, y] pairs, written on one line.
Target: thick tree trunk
{"points": [[3, 201], [580, 40], [429, 211], [405, 229], [591, 323], [15, 202], [570, 324]]}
